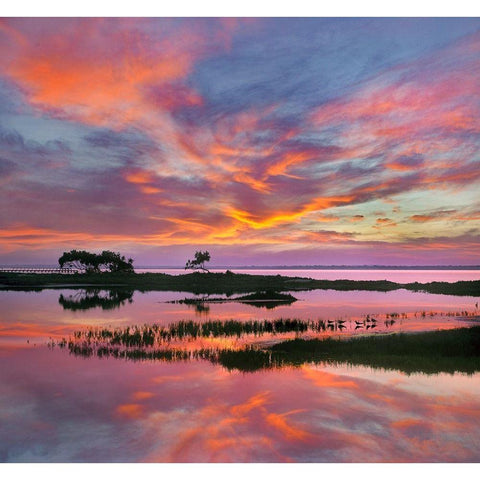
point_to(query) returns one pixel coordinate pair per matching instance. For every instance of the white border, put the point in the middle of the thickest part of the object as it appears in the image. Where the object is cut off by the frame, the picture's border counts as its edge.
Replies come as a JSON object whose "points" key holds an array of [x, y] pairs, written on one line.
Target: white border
{"points": [[206, 8], [249, 8], [239, 471]]}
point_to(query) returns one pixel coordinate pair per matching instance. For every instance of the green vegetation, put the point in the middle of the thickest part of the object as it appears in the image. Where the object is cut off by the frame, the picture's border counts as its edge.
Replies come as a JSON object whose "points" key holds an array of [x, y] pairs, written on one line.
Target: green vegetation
{"points": [[267, 296], [427, 352], [268, 299], [95, 263], [447, 351], [157, 335], [223, 283], [458, 288]]}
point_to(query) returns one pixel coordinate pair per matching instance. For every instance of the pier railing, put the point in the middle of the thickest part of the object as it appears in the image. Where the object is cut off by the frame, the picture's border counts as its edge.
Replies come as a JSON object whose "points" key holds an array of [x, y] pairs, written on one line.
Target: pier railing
{"points": [[64, 271]]}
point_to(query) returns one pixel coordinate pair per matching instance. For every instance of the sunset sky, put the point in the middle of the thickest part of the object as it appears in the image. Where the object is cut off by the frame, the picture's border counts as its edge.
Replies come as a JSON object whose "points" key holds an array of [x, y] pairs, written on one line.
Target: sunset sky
{"points": [[266, 141]]}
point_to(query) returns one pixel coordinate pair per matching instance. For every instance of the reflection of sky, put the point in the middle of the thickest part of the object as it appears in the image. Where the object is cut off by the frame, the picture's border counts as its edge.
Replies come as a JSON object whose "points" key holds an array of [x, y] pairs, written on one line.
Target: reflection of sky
{"points": [[56, 407], [305, 141], [36, 316]]}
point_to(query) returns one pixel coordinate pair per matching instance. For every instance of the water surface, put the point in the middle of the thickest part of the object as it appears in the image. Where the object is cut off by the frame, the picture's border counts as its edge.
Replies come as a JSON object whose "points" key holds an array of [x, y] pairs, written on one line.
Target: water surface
{"points": [[55, 406], [393, 275]]}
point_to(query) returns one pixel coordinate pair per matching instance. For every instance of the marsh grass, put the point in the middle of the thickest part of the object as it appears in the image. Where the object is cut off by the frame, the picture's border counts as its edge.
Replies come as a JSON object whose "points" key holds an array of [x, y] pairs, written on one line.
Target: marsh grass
{"points": [[155, 334], [428, 352], [151, 335], [450, 351]]}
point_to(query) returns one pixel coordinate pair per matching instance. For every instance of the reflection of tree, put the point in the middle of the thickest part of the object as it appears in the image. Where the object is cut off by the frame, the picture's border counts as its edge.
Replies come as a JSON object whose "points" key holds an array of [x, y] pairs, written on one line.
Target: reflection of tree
{"points": [[201, 309], [93, 298], [265, 299], [269, 304]]}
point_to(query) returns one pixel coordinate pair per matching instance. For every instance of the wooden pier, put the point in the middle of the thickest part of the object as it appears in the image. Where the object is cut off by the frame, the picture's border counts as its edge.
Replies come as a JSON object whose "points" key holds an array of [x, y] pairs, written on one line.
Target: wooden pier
{"points": [[63, 271]]}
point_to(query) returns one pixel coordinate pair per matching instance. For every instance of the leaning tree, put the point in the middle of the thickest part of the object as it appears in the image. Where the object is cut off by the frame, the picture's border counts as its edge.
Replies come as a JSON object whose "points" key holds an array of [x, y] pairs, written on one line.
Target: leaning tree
{"points": [[198, 263]]}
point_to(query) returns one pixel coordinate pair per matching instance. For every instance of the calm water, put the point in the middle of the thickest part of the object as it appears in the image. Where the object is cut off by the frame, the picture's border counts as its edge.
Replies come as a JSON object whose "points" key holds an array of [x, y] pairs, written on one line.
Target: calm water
{"points": [[400, 276], [59, 407]]}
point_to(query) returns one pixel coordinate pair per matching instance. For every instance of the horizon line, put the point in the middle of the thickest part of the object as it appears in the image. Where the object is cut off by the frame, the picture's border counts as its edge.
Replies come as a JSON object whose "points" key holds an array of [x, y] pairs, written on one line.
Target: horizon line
{"points": [[278, 267]]}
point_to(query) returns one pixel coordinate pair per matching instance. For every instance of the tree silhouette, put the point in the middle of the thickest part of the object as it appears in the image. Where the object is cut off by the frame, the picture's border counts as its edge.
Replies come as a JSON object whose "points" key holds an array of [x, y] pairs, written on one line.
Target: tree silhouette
{"points": [[198, 263], [80, 260], [95, 263], [114, 262]]}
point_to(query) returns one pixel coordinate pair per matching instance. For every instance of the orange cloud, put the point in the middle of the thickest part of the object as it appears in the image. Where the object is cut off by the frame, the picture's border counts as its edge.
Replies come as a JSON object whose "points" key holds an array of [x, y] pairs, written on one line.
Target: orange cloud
{"points": [[438, 215], [258, 222], [384, 222], [130, 410], [289, 159], [327, 218], [72, 68], [141, 395], [150, 190], [408, 423], [139, 176], [422, 218]]}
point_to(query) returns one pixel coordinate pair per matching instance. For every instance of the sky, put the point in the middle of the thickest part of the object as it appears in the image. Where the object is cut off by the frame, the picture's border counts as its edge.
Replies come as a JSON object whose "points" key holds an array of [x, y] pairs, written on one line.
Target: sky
{"points": [[267, 141]]}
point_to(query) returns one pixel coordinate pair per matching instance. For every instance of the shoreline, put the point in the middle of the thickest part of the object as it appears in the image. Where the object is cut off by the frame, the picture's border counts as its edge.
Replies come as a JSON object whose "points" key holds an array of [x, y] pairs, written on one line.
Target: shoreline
{"points": [[222, 283]]}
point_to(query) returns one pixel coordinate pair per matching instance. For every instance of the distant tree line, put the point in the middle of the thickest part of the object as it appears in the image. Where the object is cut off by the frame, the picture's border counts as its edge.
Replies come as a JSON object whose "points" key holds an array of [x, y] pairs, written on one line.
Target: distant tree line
{"points": [[88, 262]]}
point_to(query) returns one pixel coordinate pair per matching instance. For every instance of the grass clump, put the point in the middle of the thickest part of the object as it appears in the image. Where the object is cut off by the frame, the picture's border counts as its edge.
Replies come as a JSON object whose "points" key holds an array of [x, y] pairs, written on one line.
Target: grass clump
{"points": [[427, 352]]}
